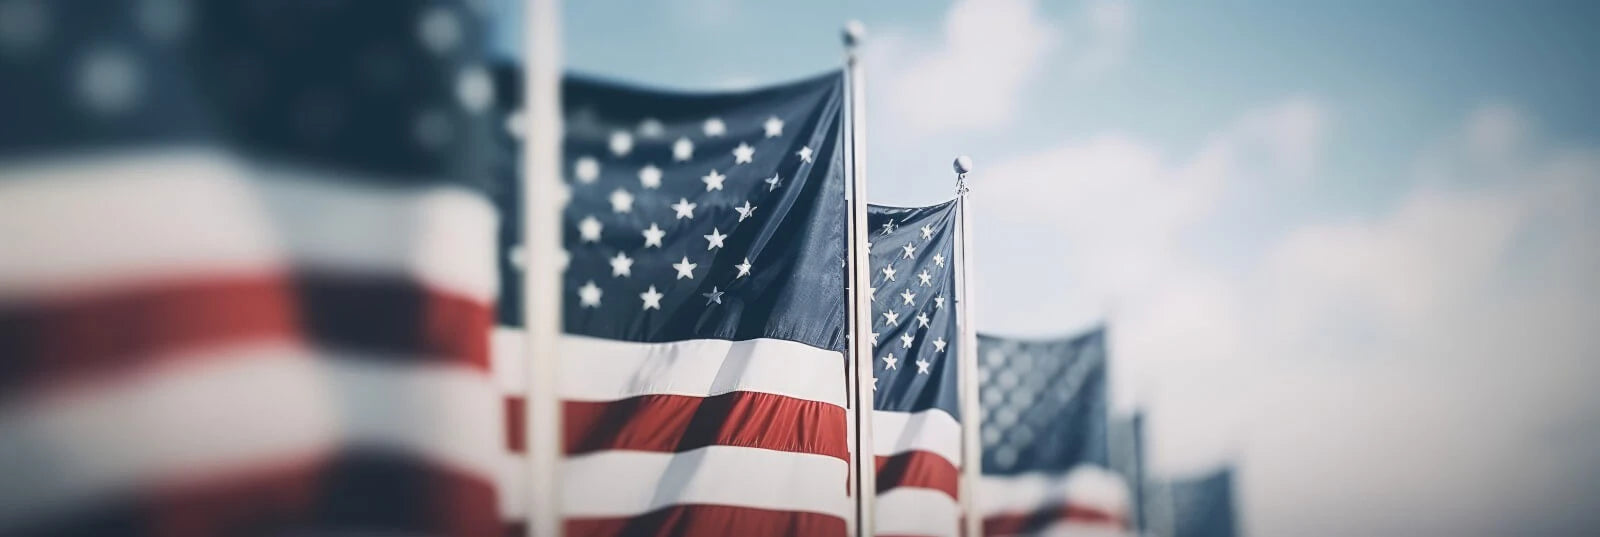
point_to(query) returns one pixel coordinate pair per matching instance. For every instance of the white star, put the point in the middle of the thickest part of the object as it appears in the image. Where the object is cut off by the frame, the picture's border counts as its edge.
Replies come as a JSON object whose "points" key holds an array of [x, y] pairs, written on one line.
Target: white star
{"points": [[714, 127], [922, 319], [563, 194], [938, 302], [927, 279], [890, 361], [888, 273], [684, 209], [685, 268], [621, 265], [652, 299], [650, 176], [908, 296], [621, 201], [874, 339], [872, 293], [714, 296], [891, 318], [587, 169], [650, 127], [922, 366], [518, 256], [714, 180], [653, 235], [563, 259], [744, 153], [938, 344], [773, 182], [773, 126], [682, 150], [589, 295], [714, 240], [805, 154], [589, 229], [906, 339], [927, 232], [621, 143], [910, 251], [938, 259], [888, 227], [745, 211], [874, 383], [744, 268]]}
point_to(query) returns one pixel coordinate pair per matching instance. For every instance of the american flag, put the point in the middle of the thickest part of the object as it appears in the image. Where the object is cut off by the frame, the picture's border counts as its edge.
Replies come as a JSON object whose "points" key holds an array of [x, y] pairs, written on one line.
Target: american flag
{"points": [[702, 375], [247, 280], [1198, 506], [916, 429], [1044, 438]]}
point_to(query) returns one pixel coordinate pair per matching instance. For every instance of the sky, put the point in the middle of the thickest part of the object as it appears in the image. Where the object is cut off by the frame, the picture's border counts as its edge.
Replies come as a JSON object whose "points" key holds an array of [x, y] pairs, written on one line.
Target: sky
{"points": [[1349, 247]]}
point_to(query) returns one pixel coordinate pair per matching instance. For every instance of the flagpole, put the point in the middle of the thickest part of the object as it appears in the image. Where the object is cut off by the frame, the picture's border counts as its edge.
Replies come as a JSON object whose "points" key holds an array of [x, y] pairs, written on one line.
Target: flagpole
{"points": [[967, 358], [541, 284], [863, 465]]}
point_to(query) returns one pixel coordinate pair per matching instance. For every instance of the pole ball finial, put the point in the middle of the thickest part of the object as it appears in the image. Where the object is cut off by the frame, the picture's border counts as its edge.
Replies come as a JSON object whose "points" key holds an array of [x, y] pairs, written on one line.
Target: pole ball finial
{"points": [[962, 165], [854, 33]]}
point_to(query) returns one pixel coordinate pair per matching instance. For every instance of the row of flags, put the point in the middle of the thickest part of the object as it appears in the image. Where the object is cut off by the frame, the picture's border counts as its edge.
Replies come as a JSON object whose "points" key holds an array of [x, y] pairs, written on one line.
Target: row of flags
{"points": [[263, 275]]}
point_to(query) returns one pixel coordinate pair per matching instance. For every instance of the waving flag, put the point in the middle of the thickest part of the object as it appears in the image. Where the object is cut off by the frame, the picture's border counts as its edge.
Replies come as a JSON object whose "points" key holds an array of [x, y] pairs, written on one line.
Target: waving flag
{"points": [[1044, 437], [916, 427], [1201, 506], [247, 278], [1127, 460], [702, 373]]}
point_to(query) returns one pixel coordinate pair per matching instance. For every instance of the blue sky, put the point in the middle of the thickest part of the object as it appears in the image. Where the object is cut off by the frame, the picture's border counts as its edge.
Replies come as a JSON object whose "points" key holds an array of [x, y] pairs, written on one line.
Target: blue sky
{"points": [[1350, 246]]}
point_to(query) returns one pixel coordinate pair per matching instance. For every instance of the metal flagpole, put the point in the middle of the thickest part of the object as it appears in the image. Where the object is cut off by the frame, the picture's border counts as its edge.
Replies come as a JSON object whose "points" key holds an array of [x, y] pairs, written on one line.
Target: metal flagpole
{"points": [[541, 286], [862, 464], [967, 358]]}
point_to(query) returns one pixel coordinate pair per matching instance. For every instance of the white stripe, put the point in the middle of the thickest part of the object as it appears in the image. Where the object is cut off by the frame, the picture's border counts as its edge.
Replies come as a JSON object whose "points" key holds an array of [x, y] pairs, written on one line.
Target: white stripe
{"points": [[1078, 528], [917, 511], [98, 220], [931, 430], [233, 409], [507, 349], [629, 483], [1086, 486], [606, 370]]}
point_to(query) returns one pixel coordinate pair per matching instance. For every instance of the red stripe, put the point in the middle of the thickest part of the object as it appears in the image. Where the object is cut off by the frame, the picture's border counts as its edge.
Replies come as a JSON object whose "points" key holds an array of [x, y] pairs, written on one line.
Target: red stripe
{"points": [[677, 423], [516, 408], [108, 333], [710, 521], [1021, 523], [920, 469], [351, 493]]}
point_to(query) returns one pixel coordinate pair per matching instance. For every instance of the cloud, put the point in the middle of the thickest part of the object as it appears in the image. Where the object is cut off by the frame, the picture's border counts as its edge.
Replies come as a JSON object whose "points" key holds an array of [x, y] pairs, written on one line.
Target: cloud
{"points": [[971, 76], [1423, 370], [1110, 214]]}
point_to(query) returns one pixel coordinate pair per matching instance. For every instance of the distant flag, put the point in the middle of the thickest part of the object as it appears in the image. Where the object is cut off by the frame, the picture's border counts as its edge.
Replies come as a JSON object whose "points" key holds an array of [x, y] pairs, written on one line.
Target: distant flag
{"points": [[1201, 506], [702, 373], [1044, 438], [1127, 459], [916, 420], [247, 279]]}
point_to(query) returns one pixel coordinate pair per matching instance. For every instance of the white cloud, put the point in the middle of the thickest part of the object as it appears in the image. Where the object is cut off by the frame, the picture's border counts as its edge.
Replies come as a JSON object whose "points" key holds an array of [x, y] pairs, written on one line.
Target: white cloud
{"points": [[1426, 370], [971, 77]]}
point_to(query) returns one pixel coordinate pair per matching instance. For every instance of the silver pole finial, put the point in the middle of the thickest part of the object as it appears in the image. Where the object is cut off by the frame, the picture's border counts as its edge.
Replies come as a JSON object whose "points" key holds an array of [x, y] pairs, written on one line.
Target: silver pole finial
{"points": [[963, 166], [854, 33]]}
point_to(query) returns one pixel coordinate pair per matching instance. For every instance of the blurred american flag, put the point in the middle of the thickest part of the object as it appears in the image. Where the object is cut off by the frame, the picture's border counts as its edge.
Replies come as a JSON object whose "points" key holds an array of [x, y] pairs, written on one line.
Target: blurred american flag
{"points": [[248, 276]]}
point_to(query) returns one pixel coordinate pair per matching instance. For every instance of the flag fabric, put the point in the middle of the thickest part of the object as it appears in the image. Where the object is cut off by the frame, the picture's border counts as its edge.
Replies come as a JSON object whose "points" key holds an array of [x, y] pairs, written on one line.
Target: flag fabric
{"points": [[1044, 438], [247, 280], [1127, 460], [916, 429], [1201, 506], [702, 373]]}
